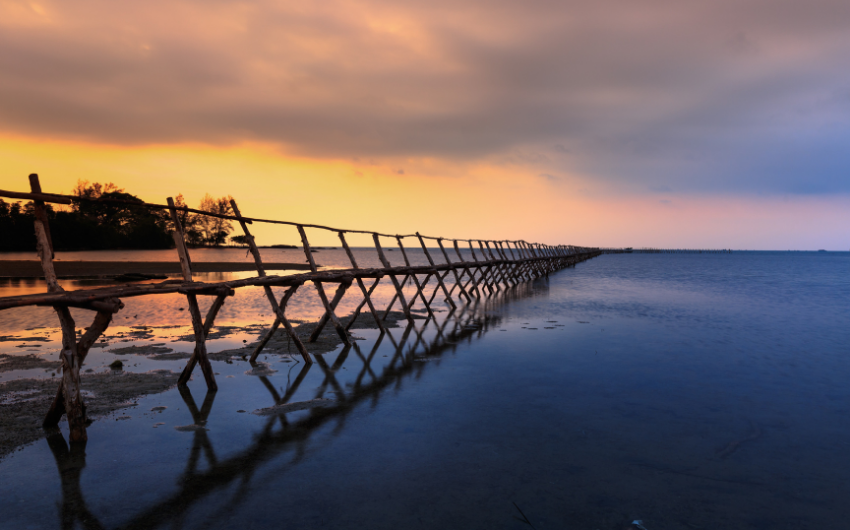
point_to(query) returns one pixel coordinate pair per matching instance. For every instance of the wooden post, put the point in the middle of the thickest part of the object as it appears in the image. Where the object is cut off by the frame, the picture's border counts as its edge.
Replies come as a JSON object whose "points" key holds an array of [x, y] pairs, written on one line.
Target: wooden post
{"points": [[454, 270], [395, 297], [507, 266], [321, 290], [500, 268], [278, 309], [494, 280], [208, 324], [70, 384], [360, 307], [340, 292], [71, 377], [415, 280], [468, 270], [513, 267], [98, 326], [393, 278], [481, 272], [194, 309], [366, 294], [439, 279], [281, 317], [44, 243]]}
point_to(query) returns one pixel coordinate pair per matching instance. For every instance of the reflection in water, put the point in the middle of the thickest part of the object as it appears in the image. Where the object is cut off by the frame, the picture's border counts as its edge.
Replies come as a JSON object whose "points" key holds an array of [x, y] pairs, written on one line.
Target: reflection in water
{"points": [[286, 429], [70, 462]]}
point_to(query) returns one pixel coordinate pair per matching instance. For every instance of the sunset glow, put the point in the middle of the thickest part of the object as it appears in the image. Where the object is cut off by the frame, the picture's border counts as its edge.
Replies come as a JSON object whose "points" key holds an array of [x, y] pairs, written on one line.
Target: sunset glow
{"points": [[481, 120]]}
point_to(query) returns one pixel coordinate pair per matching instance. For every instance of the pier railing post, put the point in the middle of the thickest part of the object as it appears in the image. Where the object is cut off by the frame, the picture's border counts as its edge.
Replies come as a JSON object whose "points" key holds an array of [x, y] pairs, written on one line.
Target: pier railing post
{"points": [[454, 270], [366, 293], [279, 309], [393, 278], [419, 287], [200, 354], [71, 363], [343, 335], [439, 278]]}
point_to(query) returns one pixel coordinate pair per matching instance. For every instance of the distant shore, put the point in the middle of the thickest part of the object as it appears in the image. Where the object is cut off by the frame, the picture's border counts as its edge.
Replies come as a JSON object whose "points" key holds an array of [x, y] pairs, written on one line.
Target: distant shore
{"points": [[88, 269]]}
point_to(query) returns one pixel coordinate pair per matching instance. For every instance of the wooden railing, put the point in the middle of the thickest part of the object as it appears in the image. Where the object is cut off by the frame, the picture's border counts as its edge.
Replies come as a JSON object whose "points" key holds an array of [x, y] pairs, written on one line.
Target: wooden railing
{"points": [[503, 265]]}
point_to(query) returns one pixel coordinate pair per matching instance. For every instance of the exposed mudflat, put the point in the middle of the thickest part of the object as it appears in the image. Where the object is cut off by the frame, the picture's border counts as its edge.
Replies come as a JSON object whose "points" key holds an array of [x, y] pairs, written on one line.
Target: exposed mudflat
{"points": [[24, 402], [26, 362]]}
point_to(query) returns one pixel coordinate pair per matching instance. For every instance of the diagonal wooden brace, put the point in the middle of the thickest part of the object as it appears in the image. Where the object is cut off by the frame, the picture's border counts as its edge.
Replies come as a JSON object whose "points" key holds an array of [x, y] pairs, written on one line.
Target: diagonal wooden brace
{"points": [[281, 319], [340, 292], [343, 335], [212, 312]]}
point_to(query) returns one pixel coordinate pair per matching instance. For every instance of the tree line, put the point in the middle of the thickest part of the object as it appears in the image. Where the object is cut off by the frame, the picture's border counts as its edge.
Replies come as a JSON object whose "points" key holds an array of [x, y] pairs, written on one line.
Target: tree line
{"points": [[90, 225]]}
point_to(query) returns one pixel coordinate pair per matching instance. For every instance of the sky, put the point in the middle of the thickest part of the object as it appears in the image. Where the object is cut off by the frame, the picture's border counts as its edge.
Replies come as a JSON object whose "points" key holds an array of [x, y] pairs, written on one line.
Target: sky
{"points": [[644, 123]]}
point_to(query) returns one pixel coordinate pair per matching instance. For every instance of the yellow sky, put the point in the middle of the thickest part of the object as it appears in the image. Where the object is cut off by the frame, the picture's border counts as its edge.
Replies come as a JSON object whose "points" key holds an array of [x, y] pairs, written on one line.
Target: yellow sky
{"points": [[446, 198], [659, 123]]}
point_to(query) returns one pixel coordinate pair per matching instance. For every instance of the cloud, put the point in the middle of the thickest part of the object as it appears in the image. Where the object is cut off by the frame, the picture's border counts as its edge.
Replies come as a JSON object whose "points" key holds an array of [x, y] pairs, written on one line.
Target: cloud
{"points": [[725, 96]]}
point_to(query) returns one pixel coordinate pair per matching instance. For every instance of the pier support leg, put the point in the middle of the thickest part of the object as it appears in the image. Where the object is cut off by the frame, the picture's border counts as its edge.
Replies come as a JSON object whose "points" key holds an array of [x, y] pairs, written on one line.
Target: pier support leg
{"points": [[340, 292], [77, 419], [196, 355]]}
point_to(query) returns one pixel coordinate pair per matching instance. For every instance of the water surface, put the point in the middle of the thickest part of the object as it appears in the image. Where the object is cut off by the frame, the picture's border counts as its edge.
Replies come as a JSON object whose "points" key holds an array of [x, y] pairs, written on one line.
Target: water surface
{"points": [[688, 391]]}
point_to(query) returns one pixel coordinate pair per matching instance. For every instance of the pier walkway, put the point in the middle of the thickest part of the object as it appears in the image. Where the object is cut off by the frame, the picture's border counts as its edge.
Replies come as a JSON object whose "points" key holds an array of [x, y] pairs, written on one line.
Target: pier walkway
{"points": [[502, 266]]}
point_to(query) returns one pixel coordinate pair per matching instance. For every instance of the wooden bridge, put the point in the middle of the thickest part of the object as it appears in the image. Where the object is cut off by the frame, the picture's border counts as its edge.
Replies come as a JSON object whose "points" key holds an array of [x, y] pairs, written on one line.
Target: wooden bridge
{"points": [[502, 266], [283, 441]]}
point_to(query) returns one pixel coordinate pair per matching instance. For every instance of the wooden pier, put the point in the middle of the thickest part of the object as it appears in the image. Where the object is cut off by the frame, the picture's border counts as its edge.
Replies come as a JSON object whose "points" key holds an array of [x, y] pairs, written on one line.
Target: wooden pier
{"points": [[502, 266]]}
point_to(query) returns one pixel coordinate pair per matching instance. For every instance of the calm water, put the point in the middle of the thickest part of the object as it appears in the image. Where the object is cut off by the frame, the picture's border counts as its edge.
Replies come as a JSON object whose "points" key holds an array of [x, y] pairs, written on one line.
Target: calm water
{"points": [[688, 391]]}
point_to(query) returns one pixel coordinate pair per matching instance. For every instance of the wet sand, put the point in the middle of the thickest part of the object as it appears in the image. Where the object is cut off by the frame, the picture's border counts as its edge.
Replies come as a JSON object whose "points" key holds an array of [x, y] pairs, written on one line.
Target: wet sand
{"points": [[95, 269], [24, 402]]}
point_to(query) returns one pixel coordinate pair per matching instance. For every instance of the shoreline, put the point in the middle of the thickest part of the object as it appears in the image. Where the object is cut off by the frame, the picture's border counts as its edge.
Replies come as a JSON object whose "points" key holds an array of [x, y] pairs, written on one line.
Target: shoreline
{"points": [[24, 402], [25, 269]]}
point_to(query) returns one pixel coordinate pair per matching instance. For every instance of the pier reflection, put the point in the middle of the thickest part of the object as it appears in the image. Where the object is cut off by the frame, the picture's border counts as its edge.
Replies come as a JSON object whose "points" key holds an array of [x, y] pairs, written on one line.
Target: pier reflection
{"points": [[289, 426]]}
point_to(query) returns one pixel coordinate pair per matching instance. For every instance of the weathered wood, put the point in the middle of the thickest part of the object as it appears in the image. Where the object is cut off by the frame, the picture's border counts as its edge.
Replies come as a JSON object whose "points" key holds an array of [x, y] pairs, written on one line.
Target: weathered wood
{"points": [[40, 212], [454, 271], [366, 294], [496, 268], [44, 244], [98, 326], [340, 292], [467, 269], [43, 197], [71, 377], [279, 310], [276, 308], [200, 347], [199, 355], [415, 281], [359, 307], [182, 253], [252, 245], [393, 279], [490, 274], [212, 312], [481, 272], [343, 335], [439, 279]]}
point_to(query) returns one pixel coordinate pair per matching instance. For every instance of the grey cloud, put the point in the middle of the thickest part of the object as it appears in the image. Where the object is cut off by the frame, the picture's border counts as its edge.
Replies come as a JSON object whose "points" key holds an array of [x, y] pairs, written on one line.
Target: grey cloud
{"points": [[717, 96]]}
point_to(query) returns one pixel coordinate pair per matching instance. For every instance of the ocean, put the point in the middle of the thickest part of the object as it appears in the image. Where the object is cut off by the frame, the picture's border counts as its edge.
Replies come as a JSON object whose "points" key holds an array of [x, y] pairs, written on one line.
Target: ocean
{"points": [[684, 391]]}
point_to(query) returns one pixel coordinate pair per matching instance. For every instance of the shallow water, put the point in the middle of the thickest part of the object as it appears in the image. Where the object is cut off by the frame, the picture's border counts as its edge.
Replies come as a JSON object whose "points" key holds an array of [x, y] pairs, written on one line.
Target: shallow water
{"points": [[687, 391]]}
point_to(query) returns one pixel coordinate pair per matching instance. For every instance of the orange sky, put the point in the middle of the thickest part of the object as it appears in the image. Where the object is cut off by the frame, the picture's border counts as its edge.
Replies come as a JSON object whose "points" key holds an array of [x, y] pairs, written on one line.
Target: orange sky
{"points": [[659, 124]]}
